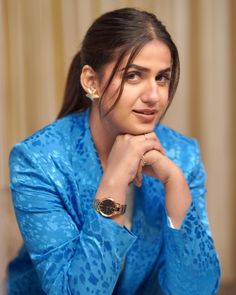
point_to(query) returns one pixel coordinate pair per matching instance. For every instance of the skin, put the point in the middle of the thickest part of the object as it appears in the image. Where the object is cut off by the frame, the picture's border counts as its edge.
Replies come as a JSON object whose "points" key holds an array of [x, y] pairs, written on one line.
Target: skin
{"points": [[125, 141]]}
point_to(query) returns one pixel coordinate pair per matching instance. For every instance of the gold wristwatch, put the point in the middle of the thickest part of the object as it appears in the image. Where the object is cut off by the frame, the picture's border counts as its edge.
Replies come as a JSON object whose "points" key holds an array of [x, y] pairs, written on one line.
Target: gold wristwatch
{"points": [[107, 207]]}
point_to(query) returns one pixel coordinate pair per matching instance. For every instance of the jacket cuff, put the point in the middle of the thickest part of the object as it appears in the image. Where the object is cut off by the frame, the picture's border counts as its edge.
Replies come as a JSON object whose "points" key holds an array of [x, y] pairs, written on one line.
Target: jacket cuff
{"points": [[108, 233], [191, 245]]}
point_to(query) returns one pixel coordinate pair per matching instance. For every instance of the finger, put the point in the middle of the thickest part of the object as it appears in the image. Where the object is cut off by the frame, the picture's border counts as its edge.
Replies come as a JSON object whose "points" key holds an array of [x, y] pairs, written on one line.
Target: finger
{"points": [[143, 162], [137, 182], [159, 147], [140, 168], [152, 145], [153, 136], [162, 150], [139, 176]]}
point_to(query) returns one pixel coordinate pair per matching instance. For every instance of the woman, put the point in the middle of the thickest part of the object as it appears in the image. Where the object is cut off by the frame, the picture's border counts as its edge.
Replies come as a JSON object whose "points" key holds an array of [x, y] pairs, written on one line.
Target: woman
{"points": [[108, 200]]}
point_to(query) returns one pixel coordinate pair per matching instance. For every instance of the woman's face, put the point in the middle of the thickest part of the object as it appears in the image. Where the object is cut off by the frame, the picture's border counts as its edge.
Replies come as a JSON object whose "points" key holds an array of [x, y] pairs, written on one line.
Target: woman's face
{"points": [[145, 94]]}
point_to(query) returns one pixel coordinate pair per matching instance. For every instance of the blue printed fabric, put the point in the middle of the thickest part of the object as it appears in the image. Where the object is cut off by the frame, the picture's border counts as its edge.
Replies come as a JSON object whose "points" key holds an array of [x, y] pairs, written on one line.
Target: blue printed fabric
{"points": [[70, 249]]}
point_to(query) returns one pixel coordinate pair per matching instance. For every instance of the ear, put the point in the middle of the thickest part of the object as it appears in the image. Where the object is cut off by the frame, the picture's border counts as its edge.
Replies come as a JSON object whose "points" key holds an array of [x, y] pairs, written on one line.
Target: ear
{"points": [[88, 78]]}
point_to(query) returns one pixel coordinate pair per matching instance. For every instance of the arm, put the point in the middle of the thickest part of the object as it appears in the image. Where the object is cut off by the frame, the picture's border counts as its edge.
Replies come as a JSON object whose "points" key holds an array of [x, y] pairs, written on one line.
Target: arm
{"points": [[191, 265], [70, 258]]}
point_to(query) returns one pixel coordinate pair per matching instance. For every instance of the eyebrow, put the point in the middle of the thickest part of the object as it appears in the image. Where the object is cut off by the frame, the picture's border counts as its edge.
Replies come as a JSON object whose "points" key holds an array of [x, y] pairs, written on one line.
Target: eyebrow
{"points": [[143, 69]]}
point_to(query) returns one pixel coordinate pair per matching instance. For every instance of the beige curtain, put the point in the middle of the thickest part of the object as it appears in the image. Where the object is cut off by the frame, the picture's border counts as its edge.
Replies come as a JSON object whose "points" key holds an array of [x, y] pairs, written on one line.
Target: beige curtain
{"points": [[37, 41]]}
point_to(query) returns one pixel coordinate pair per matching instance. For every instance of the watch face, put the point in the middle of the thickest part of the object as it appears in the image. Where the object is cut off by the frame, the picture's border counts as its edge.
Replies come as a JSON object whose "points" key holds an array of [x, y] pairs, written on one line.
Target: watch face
{"points": [[107, 207]]}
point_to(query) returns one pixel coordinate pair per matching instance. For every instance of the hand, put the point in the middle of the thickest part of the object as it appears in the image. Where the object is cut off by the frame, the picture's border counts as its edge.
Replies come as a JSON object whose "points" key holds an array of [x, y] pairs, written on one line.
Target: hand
{"points": [[178, 196], [156, 164], [148, 160], [122, 165], [124, 158]]}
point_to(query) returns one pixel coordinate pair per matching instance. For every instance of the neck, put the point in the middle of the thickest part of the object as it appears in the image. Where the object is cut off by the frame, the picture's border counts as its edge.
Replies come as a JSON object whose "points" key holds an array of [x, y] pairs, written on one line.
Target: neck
{"points": [[103, 139]]}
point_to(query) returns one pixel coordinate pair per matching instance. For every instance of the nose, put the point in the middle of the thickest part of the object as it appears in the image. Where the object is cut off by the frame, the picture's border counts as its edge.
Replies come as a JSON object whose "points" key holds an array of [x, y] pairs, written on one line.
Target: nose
{"points": [[151, 93]]}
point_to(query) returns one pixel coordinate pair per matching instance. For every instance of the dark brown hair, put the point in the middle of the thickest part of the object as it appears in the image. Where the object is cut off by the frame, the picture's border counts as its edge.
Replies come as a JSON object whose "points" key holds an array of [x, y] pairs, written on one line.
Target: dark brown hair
{"points": [[111, 37]]}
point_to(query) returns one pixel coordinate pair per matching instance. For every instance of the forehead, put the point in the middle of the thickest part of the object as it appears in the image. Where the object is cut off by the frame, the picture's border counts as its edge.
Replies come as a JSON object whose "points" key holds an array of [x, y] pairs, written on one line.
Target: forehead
{"points": [[155, 56]]}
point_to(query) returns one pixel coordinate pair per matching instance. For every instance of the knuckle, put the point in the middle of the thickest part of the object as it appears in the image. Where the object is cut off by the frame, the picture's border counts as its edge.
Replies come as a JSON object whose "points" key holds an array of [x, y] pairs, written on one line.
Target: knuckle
{"points": [[126, 137], [118, 138]]}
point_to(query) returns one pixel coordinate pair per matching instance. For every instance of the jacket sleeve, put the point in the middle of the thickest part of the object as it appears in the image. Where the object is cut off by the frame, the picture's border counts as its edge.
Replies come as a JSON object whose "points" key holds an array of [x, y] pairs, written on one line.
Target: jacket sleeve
{"points": [[191, 265], [69, 258]]}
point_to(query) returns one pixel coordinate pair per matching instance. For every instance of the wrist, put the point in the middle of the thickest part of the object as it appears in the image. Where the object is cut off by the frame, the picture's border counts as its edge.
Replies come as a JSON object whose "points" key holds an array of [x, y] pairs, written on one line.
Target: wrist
{"points": [[175, 176], [109, 187], [178, 198], [111, 190]]}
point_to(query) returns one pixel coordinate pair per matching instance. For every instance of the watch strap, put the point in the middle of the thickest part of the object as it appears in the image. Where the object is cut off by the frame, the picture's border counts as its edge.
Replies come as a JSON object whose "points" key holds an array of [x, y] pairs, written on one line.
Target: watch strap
{"points": [[122, 208]]}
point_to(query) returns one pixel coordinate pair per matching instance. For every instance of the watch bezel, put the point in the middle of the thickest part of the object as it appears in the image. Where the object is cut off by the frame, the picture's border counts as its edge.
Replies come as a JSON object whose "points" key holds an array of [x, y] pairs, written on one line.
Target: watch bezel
{"points": [[101, 209]]}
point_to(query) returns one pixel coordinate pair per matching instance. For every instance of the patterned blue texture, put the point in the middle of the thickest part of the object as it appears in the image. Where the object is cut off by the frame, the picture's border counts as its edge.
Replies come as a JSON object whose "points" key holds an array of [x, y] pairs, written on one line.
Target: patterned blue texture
{"points": [[71, 249]]}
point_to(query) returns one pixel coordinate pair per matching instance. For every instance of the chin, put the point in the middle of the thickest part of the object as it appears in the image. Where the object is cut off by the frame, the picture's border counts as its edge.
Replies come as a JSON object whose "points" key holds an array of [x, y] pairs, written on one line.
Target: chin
{"points": [[140, 130]]}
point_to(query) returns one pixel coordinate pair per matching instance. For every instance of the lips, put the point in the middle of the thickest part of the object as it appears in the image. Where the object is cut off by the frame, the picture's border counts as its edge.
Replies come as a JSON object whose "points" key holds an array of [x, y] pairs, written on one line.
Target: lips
{"points": [[145, 111]]}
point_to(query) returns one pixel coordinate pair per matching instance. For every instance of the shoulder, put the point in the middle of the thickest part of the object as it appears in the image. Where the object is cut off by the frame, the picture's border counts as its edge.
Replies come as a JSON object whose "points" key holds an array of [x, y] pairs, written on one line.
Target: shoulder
{"points": [[50, 149], [171, 137], [58, 132], [48, 152], [55, 136]]}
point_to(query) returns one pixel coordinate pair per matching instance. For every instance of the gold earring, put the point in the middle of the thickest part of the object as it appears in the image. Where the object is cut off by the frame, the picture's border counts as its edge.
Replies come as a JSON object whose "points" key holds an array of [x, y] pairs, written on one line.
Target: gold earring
{"points": [[92, 93]]}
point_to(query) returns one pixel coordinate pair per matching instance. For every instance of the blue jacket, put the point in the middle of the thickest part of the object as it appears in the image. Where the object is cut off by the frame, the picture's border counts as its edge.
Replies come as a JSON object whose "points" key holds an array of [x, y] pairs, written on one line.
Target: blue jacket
{"points": [[69, 248]]}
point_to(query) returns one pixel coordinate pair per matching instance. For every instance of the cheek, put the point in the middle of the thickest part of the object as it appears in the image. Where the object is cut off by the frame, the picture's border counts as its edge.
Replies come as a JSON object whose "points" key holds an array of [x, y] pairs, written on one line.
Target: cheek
{"points": [[110, 97], [127, 99], [164, 101], [165, 96], [131, 94]]}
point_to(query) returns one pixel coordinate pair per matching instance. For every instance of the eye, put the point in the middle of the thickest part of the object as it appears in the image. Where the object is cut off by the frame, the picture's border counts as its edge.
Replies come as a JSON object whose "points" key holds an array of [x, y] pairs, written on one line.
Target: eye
{"points": [[163, 79], [132, 76]]}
